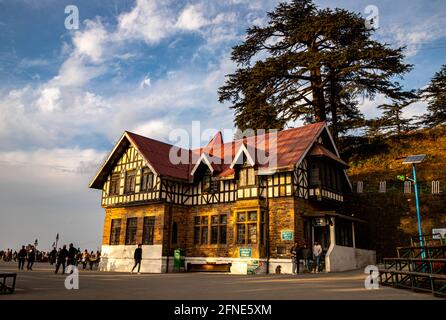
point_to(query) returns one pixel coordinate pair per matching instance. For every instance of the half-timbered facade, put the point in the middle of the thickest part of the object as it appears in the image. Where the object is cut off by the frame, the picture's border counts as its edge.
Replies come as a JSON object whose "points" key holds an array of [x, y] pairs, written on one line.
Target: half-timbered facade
{"points": [[223, 206]]}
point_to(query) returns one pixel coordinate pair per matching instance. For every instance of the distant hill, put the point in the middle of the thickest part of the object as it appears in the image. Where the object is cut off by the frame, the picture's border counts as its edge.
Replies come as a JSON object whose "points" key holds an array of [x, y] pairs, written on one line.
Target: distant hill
{"points": [[381, 158]]}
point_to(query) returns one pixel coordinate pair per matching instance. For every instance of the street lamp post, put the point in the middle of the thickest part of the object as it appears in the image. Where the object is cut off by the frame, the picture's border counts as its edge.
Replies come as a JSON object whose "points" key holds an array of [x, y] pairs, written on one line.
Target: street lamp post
{"points": [[414, 159]]}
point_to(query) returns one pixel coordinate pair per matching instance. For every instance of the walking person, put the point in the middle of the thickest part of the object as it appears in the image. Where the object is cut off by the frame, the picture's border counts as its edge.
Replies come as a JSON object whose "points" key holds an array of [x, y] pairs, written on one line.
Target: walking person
{"points": [[296, 255], [138, 257], [21, 256], [317, 252], [85, 259], [52, 256], [307, 256], [31, 258], [72, 252], [61, 259]]}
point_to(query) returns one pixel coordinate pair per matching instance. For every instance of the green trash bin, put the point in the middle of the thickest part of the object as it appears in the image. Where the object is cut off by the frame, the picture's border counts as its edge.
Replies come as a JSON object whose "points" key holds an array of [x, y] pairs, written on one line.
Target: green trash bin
{"points": [[178, 259]]}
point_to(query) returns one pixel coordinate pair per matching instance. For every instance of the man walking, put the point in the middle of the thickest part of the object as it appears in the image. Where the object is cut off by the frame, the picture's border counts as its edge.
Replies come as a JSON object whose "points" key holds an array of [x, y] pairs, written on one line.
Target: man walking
{"points": [[138, 257], [61, 258], [31, 258], [22, 257], [307, 255], [296, 255], [72, 252], [317, 251]]}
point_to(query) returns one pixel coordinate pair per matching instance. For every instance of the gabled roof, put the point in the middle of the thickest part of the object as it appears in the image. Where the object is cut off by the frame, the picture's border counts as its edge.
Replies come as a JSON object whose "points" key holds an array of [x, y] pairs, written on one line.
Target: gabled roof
{"points": [[319, 150], [292, 147]]}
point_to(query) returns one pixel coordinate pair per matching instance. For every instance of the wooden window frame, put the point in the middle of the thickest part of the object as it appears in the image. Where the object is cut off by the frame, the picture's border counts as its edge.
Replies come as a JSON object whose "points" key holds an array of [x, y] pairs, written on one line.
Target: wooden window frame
{"points": [[134, 231], [148, 231], [146, 180], [245, 225], [115, 237], [209, 225], [245, 184], [115, 181], [130, 187]]}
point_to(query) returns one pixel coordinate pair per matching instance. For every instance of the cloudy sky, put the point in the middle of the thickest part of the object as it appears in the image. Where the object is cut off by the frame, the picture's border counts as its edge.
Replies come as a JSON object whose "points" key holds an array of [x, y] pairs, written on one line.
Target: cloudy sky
{"points": [[146, 66]]}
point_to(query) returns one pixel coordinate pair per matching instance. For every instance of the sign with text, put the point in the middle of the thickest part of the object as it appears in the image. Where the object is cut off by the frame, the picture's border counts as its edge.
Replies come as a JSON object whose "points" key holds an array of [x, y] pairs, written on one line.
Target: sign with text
{"points": [[287, 235], [245, 252]]}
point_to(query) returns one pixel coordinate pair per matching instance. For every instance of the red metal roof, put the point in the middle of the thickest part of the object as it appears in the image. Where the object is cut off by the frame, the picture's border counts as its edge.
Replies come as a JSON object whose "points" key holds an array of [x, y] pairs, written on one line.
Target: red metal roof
{"points": [[291, 146]]}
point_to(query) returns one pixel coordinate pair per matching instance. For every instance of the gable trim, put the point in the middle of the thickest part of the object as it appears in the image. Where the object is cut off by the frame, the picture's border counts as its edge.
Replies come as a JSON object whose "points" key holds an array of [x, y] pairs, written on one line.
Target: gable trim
{"points": [[108, 159], [203, 159], [238, 154]]}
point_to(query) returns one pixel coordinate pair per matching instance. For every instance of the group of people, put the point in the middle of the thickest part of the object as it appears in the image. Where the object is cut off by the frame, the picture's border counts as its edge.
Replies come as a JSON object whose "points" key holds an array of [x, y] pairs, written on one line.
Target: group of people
{"points": [[25, 254], [311, 256], [61, 258], [75, 257]]}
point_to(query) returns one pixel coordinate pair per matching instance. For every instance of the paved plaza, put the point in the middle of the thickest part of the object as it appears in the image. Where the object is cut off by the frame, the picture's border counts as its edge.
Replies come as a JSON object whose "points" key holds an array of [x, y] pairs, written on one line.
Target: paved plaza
{"points": [[42, 283]]}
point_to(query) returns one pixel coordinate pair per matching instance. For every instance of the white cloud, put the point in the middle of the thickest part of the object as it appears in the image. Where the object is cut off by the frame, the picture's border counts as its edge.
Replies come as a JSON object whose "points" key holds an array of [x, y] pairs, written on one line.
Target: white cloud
{"points": [[90, 42], [49, 99], [75, 73], [191, 18], [148, 20], [45, 192], [370, 107], [154, 129]]}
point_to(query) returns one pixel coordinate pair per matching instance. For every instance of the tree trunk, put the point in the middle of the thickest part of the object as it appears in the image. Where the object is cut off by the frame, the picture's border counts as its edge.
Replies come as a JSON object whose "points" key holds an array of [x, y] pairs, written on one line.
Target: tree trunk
{"points": [[334, 106], [318, 95]]}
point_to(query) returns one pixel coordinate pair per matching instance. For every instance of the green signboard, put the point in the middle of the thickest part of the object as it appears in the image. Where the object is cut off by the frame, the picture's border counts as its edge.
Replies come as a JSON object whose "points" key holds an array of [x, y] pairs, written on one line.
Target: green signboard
{"points": [[245, 252], [287, 235]]}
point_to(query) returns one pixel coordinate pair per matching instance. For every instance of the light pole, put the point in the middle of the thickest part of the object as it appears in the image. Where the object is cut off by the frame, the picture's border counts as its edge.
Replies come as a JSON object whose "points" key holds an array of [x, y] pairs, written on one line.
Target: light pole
{"points": [[414, 159]]}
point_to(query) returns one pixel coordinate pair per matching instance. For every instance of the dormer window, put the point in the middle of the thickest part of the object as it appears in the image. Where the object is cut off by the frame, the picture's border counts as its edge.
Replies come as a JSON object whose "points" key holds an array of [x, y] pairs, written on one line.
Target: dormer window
{"points": [[130, 181], [206, 182], [209, 185], [146, 180], [247, 177]]}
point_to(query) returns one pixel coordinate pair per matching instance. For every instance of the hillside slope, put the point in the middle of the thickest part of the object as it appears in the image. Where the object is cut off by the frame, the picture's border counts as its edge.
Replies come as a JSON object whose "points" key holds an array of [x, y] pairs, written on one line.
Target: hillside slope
{"points": [[381, 159]]}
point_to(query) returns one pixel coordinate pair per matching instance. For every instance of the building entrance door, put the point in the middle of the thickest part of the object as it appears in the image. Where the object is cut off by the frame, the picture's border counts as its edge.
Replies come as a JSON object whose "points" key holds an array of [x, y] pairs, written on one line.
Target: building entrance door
{"points": [[322, 235]]}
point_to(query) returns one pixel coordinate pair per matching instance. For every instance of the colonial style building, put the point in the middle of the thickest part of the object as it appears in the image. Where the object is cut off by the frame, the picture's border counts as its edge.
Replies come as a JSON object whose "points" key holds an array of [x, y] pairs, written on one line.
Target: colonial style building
{"points": [[224, 206]]}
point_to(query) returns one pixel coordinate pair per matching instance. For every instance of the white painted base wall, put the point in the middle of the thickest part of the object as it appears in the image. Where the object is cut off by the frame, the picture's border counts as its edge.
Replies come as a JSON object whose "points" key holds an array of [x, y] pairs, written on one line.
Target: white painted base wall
{"points": [[340, 258], [120, 258]]}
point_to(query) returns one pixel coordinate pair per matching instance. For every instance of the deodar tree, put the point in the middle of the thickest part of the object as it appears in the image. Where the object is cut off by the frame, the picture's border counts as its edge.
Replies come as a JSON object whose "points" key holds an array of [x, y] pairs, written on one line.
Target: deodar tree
{"points": [[311, 64], [435, 94]]}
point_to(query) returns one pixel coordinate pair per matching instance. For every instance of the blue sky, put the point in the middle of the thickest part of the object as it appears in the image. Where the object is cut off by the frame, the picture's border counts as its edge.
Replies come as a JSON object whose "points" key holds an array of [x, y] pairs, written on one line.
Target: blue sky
{"points": [[146, 66]]}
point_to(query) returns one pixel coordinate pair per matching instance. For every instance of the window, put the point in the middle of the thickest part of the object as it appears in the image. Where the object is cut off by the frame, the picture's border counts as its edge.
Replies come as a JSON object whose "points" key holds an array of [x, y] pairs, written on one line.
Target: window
{"points": [[215, 224], [115, 231], [247, 227], [314, 175], [204, 235], [247, 177], [174, 233], [130, 233], [130, 181], [148, 230], [206, 181], [146, 180], [344, 233], [114, 184]]}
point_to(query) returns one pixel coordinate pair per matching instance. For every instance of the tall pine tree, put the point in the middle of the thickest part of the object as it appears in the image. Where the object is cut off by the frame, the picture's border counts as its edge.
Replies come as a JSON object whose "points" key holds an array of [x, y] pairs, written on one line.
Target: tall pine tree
{"points": [[435, 94], [317, 62]]}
